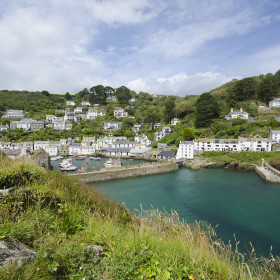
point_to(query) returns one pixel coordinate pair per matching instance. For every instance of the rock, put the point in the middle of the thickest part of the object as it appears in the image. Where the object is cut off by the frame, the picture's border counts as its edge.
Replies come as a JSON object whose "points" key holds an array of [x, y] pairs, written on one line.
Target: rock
{"points": [[8, 191], [96, 250], [15, 253]]}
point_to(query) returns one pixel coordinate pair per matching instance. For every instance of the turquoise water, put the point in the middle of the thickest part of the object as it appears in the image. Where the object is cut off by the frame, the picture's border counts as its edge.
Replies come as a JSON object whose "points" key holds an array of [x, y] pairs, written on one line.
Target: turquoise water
{"points": [[239, 203], [96, 164]]}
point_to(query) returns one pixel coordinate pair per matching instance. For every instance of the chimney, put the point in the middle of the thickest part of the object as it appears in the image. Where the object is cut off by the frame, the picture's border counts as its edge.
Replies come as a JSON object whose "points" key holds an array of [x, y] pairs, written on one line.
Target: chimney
{"points": [[231, 110], [241, 110]]}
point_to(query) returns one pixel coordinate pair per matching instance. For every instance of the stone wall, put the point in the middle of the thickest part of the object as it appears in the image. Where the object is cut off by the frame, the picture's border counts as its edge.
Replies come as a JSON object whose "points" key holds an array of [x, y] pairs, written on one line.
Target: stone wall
{"points": [[126, 172]]}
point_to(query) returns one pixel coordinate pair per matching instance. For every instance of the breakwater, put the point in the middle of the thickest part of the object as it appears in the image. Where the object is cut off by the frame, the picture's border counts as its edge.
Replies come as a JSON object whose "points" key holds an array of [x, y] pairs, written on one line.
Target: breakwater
{"points": [[145, 169]]}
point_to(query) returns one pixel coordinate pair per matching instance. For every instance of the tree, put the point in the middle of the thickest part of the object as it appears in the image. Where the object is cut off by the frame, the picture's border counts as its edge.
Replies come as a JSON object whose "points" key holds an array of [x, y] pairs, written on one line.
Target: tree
{"points": [[109, 90], [83, 92], [123, 94], [98, 94], [169, 113], [46, 93], [152, 116], [68, 96], [267, 88], [187, 134], [207, 109]]}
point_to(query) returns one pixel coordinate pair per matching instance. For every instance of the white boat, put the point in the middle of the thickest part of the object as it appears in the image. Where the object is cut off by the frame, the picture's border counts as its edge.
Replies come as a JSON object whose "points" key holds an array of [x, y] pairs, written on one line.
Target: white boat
{"points": [[56, 158], [113, 162], [66, 162], [68, 168]]}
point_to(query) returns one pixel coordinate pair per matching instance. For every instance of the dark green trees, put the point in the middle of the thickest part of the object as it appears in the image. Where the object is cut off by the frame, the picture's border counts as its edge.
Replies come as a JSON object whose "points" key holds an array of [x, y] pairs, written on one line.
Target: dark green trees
{"points": [[68, 96], [207, 109], [123, 94], [98, 94]]}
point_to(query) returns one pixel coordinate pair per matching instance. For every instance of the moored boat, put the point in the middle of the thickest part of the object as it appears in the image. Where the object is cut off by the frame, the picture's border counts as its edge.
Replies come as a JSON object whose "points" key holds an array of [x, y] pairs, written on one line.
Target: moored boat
{"points": [[79, 157], [113, 162], [94, 158]]}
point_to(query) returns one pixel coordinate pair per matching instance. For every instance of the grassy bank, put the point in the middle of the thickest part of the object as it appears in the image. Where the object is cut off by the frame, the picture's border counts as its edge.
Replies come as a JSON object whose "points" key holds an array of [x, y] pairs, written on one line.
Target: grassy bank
{"points": [[58, 217], [245, 158]]}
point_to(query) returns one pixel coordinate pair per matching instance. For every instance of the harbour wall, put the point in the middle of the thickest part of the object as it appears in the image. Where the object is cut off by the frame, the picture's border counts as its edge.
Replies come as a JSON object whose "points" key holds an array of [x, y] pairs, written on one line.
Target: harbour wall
{"points": [[128, 171]]}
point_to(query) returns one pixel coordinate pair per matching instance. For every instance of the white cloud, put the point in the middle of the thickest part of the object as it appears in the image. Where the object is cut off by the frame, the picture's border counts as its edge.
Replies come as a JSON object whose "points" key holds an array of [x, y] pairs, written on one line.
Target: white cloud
{"points": [[193, 34], [180, 84], [67, 45], [122, 11], [264, 61]]}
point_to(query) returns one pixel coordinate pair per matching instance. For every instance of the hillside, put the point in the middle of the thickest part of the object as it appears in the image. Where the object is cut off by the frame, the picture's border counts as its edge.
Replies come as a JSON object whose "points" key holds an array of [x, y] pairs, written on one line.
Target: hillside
{"points": [[248, 93], [64, 220]]}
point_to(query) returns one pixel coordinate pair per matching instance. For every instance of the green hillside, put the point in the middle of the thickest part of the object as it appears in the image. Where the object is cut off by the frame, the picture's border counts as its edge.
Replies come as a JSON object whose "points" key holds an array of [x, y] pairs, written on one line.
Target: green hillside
{"points": [[248, 93], [61, 219]]}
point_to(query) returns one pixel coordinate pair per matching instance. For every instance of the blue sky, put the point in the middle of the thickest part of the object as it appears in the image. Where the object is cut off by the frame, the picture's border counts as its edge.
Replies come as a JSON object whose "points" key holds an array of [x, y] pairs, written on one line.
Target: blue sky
{"points": [[166, 46]]}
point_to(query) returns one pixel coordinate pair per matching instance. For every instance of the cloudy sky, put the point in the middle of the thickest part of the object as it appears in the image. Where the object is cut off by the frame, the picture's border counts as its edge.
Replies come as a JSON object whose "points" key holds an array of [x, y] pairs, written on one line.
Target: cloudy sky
{"points": [[161, 46]]}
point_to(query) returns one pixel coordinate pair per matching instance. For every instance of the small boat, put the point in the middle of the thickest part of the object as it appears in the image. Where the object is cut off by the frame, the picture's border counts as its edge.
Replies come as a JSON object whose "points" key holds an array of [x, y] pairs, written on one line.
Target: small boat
{"points": [[79, 158], [56, 158], [66, 162], [94, 158], [83, 169], [69, 168], [116, 162]]}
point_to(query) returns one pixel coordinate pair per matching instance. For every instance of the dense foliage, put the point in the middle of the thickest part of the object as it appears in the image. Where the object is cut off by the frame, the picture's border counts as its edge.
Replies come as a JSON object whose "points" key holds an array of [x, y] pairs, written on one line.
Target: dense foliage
{"points": [[207, 109]]}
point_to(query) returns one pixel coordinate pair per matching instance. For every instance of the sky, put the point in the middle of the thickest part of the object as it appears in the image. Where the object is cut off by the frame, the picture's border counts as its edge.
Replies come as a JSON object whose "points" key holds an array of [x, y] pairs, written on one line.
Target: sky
{"points": [[176, 47]]}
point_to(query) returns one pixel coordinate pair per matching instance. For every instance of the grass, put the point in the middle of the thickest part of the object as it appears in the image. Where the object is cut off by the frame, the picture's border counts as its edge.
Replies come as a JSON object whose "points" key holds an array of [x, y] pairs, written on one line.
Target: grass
{"points": [[59, 217], [248, 158]]}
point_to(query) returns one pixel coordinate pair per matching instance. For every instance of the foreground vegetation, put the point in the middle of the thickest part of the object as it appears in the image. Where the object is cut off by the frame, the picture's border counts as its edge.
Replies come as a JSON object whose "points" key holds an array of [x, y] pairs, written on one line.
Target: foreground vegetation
{"points": [[59, 217]]}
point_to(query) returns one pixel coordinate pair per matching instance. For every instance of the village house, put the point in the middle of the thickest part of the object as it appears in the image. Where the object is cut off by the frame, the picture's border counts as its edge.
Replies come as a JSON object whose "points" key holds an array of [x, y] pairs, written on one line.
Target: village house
{"points": [[52, 149], [129, 107], [50, 118], [85, 103], [116, 152], [4, 128], [133, 99], [86, 150], [58, 125], [155, 126], [59, 111], [138, 127], [40, 144], [74, 149], [142, 139], [274, 135], [88, 141], [123, 144], [70, 103], [93, 113], [120, 113], [112, 125], [175, 121], [274, 103], [68, 125], [14, 114], [78, 110], [159, 135], [185, 150], [111, 98], [69, 117], [242, 115], [27, 124], [256, 144]]}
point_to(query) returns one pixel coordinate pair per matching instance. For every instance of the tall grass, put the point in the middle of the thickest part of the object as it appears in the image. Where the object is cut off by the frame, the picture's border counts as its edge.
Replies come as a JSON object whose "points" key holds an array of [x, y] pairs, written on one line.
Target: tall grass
{"points": [[59, 217]]}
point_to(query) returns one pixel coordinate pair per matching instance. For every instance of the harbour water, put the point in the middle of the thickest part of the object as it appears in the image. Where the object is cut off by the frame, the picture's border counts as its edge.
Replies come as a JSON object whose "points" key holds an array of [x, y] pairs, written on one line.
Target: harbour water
{"points": [[238, 203], [93, 164]]}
